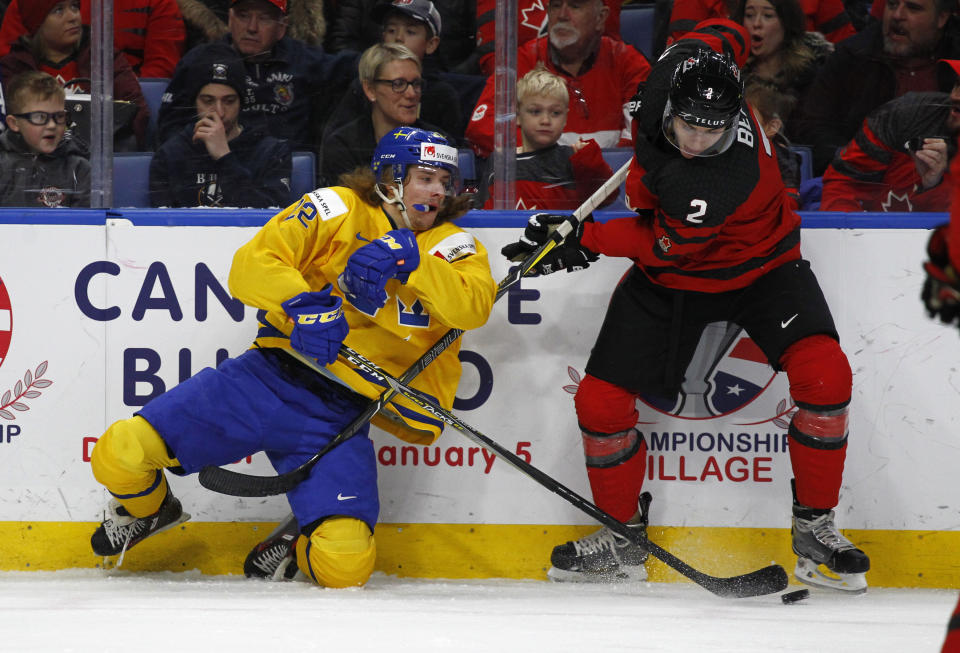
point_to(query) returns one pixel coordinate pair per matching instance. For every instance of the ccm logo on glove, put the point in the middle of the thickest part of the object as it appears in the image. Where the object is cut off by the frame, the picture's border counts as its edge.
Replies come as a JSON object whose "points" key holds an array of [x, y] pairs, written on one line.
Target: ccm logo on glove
{"points": [[319, 325]]}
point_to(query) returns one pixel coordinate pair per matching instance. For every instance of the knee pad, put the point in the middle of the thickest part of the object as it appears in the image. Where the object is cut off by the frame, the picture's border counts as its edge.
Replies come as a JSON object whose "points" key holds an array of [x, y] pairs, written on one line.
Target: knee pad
{"points": [[128, 460], [603, 407], [819, 372], [340, 552]]}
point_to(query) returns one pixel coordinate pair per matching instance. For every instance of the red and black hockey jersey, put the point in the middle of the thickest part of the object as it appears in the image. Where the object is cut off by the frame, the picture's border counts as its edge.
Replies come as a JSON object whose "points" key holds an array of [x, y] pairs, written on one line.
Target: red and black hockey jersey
{"points": [[599, 95], [709, 224], [875, 171], [556, 178]]}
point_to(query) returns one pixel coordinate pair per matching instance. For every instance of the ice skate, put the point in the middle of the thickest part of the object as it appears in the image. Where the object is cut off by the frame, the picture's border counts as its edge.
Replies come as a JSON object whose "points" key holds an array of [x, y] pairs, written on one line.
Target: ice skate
{"points": [[121, 530], [275, 558], [603, 556], [816, 541]]}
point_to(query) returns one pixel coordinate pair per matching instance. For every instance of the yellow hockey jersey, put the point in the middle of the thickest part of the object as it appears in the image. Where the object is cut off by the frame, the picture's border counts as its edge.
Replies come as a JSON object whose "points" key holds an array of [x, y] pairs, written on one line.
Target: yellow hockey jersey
{"points": [[306, 246]]}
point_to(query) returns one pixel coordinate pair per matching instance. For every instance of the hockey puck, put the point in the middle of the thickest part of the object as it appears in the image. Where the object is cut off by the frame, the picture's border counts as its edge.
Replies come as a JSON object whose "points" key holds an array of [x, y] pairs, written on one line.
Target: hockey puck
{"points": [[793, 597]]}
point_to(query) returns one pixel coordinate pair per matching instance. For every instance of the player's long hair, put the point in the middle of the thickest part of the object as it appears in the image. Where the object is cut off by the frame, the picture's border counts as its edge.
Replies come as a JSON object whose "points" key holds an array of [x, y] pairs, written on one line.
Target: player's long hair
{"points": [[363, 182]]}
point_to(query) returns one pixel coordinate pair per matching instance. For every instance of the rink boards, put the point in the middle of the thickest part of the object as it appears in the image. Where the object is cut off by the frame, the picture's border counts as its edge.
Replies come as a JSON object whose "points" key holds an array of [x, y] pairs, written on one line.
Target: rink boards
{"points": [[100, 313]]}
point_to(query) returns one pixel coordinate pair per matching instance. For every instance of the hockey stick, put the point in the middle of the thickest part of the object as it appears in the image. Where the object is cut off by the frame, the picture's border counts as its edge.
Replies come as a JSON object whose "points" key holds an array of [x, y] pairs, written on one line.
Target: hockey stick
{"points": [[226, 481], [767, 580]]}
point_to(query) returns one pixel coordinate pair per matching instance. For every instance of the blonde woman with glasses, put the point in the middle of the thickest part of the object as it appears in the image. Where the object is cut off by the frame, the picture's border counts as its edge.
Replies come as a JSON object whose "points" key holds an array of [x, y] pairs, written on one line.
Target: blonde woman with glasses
{"points": [[390, 75]]}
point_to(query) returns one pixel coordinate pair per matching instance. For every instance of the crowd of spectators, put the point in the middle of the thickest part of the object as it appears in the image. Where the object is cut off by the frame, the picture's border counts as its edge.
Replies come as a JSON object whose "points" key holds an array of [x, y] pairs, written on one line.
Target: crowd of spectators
{"points": [[328, 78]]}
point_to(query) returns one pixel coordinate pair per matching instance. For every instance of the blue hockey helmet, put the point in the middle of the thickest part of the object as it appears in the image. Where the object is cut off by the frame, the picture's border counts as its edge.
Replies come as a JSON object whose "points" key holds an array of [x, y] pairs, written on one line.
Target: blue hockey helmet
{"points": [[406, 146]]}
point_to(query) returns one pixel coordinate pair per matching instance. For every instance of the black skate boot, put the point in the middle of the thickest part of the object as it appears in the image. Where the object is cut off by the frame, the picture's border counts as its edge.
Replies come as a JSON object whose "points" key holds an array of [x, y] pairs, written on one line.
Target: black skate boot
{"points": [[816, 541], [275, 558], [604, 556], [121, 530]]}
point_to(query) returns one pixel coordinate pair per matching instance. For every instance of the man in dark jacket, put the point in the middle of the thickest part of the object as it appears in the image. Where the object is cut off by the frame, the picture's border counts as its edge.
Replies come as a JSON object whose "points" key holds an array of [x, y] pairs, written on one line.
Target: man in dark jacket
{"points": [[884, 61], [291, 86], [217, 160]]}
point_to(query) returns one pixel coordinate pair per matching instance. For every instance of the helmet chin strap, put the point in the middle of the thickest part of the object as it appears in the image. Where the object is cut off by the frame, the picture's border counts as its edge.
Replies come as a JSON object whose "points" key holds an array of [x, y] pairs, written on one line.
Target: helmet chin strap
{"points": [[396, 199]]}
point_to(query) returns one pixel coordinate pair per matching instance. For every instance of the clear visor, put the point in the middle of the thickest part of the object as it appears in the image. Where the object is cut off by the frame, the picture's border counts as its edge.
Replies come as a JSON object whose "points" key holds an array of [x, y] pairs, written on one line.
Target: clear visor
{"points": [[430, 175], [693, 140]]}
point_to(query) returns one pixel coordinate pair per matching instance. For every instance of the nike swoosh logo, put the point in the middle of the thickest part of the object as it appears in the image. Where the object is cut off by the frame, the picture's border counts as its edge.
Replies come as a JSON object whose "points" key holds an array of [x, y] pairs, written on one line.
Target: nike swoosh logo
{"points": [[784, 325], [340, 497], [359, 237]]}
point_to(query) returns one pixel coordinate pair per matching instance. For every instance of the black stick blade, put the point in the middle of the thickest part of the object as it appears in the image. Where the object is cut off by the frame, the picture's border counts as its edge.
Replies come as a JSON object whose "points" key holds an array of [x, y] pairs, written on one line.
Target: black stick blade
{"points": [[768, 580], [235, 484]]}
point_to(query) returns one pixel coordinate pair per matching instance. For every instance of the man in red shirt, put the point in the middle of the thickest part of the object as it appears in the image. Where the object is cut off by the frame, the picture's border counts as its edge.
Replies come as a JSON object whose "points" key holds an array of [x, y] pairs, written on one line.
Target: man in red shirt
{"points": [[601, 75], [715, 240]]}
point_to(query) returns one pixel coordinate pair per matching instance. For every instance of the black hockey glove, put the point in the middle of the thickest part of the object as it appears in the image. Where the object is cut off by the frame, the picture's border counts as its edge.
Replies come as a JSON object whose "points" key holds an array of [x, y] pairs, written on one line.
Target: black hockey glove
{"points": [[568, 254], [941, 290], [536, 233]]}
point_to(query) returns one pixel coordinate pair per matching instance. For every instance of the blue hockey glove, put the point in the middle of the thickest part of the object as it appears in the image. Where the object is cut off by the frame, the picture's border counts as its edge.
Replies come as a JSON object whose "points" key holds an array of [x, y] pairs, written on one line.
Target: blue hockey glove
{"points": [[319, 325], [392, 256]]}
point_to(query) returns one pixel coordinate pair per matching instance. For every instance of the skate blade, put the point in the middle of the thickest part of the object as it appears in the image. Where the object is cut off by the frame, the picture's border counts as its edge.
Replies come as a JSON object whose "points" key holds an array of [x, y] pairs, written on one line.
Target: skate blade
{"points": [[810, 573], [636, 574]]}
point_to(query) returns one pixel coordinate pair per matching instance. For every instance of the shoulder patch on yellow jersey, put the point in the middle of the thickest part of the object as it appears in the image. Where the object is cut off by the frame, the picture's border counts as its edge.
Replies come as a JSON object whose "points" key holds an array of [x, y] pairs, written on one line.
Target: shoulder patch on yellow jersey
{"points": [[455, 246], [329, 205]]}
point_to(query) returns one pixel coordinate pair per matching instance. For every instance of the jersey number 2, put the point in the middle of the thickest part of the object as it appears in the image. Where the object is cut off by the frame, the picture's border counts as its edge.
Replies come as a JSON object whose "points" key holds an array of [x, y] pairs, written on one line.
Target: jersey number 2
{"points": [[699, 210]]}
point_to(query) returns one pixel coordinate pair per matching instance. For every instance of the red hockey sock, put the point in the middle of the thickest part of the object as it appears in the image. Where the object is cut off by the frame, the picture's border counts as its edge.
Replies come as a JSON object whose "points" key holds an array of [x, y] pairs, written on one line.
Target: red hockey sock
{"points": [[615, 489], [616, 454], [820, 383]]}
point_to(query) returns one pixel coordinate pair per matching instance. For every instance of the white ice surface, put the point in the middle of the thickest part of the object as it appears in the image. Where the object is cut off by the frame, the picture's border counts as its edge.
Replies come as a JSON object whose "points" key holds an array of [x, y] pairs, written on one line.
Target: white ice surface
{"points": [[93, 611]]}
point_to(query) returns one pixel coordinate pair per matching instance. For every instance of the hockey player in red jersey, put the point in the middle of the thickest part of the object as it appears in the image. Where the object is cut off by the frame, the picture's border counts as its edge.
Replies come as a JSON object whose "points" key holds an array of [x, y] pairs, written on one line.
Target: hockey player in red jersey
{"points": [[714, 240]]}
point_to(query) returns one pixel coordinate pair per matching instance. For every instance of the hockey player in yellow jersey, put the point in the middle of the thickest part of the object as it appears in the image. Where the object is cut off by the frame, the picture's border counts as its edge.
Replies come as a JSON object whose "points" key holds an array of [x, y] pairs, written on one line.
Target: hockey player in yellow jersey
{"points": [[375, 263]]}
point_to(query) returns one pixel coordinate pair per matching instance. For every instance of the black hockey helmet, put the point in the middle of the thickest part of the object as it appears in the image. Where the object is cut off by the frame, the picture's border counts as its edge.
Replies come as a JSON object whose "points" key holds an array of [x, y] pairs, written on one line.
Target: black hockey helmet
{"points": [[706, 91]]}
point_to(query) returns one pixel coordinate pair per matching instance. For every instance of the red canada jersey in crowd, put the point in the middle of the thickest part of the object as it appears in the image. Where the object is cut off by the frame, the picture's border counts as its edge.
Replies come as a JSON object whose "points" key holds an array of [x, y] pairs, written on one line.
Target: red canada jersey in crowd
{"points": [[825, 16], [599, 95], [875, 171], [558, 179]]}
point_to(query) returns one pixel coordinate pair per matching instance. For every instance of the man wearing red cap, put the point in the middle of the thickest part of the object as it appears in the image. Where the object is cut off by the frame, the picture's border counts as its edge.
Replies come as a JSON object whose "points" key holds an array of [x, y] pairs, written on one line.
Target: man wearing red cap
{"points": [[149, 32], [898, 160], [291, 86]]}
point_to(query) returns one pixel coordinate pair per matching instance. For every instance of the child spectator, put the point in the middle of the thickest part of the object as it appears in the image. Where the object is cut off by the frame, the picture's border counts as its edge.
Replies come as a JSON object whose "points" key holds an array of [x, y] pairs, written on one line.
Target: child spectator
{"points": [[772, 108], [150, 33], [549, 175], [356, 27], [38, 166], [217, 161], [57, 42]]}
